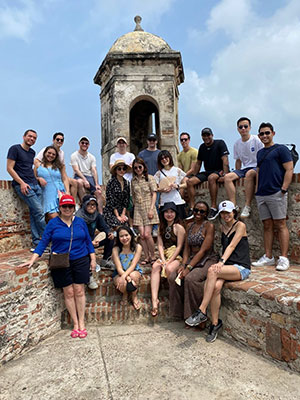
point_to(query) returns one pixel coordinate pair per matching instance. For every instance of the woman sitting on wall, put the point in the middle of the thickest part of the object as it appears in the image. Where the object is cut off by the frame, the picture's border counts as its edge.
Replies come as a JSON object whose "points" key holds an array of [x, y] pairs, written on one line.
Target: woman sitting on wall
{"points": [[186, 293], [52, 177], [170, 244], [234, 265]]}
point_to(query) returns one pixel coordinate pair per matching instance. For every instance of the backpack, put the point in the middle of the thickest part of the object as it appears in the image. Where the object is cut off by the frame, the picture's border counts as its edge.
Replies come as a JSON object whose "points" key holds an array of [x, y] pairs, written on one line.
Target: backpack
{"points": [[294, 153]]}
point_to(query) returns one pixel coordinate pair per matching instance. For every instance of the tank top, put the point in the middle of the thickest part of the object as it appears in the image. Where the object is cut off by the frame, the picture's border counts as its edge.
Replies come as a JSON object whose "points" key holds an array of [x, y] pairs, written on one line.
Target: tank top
{"points": [[196, 238], [171, 241], [240, 254]]}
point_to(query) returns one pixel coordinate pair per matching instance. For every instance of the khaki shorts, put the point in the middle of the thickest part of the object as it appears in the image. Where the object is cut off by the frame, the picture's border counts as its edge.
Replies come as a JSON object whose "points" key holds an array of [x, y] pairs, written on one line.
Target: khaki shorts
{"points": [[273, 206]]}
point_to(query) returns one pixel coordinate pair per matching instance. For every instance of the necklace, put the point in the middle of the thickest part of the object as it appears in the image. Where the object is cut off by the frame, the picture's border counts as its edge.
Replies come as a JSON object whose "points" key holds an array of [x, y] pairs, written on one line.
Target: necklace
{"points": [[168, 232]]}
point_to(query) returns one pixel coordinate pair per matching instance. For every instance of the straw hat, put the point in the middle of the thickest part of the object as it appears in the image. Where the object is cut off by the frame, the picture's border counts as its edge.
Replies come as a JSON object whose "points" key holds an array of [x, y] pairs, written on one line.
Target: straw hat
{"points": [[117, 164]]}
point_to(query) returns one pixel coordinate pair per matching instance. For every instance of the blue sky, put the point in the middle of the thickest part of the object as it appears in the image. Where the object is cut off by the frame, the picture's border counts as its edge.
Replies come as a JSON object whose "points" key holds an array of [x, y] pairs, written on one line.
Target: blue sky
{"points": [[240, 58]]}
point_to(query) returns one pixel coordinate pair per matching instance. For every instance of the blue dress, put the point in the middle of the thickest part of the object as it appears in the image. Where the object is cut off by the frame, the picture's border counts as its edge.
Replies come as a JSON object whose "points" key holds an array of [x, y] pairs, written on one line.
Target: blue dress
{"points": [[125, 262], [54, 183]]}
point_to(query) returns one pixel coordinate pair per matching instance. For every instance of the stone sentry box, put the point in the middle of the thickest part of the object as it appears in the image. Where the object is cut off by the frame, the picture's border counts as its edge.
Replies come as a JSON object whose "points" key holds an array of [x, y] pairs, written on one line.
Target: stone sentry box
{"points": [[139, 80]]}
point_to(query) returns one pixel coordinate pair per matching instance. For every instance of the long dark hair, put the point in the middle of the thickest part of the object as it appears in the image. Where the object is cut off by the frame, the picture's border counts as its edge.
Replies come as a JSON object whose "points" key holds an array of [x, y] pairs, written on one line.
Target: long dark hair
{"points": [[164, 153], [139, 160], [132, 241], [163, 223], [56, 164]]}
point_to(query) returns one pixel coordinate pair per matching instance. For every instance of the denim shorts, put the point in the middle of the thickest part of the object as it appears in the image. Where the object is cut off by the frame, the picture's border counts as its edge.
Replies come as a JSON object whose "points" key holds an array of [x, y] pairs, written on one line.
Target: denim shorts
{"points": [[245, 272]]}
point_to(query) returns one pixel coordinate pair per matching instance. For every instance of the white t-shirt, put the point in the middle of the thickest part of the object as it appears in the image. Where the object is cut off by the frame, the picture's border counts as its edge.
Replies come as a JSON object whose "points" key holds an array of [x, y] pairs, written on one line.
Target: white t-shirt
{"points": [[61, 155], [174, 194], [246, 151], [84, 163], [127, 157]]}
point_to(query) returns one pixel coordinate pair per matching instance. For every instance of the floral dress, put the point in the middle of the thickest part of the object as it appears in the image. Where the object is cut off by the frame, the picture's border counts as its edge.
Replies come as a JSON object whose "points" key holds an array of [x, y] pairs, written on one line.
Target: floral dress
{"points": [[116, 198]]}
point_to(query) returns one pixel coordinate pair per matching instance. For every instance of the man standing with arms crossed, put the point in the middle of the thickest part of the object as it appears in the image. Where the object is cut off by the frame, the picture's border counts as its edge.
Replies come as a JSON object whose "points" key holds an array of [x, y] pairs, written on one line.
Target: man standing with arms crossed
{"points": [[19, 166], [275, 172], [244, 153]]}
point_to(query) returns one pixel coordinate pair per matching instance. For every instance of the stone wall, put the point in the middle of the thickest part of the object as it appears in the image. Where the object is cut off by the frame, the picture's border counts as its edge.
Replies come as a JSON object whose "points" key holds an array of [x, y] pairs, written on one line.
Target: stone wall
{"points": [[30, 307]]}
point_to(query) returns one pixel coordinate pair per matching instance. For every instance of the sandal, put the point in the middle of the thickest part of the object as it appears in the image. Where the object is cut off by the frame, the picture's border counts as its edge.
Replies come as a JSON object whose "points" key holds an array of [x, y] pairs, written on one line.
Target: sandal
{"points": [[74, 333], [137, 304], [154, 311], [82, 334]]}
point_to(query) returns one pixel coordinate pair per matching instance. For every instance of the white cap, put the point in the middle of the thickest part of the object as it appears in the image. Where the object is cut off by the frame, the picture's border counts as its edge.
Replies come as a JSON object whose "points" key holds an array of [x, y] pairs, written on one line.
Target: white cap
{"points": [[122, 138], [227, 206]]}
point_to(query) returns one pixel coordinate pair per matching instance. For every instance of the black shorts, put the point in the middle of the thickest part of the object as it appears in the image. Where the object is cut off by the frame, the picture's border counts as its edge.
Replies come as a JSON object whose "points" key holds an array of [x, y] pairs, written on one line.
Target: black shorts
{"points": [[78, 272], [203, 176]]}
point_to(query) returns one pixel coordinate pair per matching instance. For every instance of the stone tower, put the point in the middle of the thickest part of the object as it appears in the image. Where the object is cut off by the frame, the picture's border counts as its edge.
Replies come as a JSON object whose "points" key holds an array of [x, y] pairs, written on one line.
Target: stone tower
{"points": [[139, 80]]}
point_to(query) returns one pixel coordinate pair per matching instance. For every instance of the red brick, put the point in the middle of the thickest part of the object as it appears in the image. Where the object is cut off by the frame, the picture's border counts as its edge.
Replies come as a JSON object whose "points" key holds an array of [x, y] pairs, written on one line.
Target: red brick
{"points": [[4, 292], [289, 346], [21, 271], [257, 322], [287, 298], [263, 288], [23, 307], [16, 288], [43, 271], [272, 294], [273, 341]]}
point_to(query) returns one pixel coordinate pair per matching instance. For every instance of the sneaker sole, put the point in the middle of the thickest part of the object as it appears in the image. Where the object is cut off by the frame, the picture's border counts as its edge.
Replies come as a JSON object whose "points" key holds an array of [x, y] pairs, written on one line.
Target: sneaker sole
{"points": [[195, 323], [211, 341]]}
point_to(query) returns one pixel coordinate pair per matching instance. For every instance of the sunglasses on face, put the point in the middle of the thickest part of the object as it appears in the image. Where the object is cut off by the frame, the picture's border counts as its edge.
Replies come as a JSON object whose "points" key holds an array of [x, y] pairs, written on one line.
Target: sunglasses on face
{"points": [[184, 139], [206, 134], [243, 126], [164, 158], [86, 143], [122, 169], [67, 206], [138, 167], [264, 133], [151, 140], [197, 210], [59, 140]]}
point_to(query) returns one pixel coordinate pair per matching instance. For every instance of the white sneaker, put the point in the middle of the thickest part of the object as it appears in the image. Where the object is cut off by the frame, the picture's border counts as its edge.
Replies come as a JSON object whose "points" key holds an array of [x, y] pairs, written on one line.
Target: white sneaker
{"points": [[283, 264], [264, 260], [246, 212], [92, 283]]}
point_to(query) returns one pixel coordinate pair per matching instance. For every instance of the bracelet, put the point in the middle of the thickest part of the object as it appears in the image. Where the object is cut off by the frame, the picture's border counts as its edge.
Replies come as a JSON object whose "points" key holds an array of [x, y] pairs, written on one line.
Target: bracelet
{"points": [[189, 267]]}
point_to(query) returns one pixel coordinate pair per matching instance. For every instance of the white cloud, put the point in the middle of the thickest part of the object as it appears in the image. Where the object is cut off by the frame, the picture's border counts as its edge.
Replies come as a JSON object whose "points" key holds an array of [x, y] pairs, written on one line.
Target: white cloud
{"points": [[255, 74], [19, 19]]}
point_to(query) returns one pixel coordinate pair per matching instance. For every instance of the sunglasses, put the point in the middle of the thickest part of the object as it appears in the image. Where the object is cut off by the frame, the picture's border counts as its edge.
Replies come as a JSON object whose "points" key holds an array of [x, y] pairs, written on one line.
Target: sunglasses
{"points": [[121, 142], [121, 168], [67, 206], [59, 140], [264, 133], [164, 158], [184, 139], [206, 134], [86, 143], [92, 205], [243, 126], [152, 140], [138, 167], [197, 211]]}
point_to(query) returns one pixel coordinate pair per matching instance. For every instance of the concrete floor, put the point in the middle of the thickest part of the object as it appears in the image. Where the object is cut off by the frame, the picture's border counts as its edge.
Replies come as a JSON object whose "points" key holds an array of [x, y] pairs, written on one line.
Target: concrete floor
{"points": [[164, 361]]}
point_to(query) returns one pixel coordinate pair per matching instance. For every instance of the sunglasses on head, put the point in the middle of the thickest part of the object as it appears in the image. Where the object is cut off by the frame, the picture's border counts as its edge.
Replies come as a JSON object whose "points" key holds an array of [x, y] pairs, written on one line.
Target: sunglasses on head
{"points": [[197, 210], [122, 168], [67, 206], [243, 126], [59, 140], [264, 133], [138, 167], [83, 142]]}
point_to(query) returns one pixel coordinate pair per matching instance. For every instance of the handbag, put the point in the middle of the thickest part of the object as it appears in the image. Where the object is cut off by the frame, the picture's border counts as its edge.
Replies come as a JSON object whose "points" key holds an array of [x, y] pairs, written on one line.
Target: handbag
{"points": [[62, 260]]}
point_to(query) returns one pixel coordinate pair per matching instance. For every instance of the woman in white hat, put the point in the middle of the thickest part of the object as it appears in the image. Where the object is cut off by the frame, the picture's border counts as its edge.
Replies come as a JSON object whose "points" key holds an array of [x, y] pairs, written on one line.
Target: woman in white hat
{"points": [[234, 265], [117, 196]]}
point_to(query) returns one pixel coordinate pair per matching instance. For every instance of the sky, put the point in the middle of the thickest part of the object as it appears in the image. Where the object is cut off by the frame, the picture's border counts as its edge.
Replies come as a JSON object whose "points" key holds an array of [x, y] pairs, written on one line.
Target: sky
{"points": [[240, 58]]}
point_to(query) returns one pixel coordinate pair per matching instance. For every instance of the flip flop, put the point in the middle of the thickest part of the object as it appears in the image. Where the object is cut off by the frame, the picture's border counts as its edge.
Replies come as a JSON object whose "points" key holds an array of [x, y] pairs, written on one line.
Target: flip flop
{"points": [[137, 304], [82, 334], [154, 311], [74, 333]]}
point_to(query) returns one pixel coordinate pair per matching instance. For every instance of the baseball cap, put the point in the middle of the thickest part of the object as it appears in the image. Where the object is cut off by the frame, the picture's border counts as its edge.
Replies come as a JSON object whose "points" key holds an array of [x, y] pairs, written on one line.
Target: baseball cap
{"points": [[227, 206], [206, 131], [67, 199], [152, 136], [84, 137], [122, 138]]}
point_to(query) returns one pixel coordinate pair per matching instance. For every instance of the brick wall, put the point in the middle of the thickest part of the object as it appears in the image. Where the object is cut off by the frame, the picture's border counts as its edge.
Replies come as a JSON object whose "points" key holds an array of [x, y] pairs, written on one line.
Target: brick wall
{"points": [[30, 307]]}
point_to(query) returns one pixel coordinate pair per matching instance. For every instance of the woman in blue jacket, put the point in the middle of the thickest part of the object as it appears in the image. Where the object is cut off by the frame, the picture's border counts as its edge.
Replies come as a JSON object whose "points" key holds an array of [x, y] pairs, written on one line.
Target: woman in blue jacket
{"points": [[82, 257]]}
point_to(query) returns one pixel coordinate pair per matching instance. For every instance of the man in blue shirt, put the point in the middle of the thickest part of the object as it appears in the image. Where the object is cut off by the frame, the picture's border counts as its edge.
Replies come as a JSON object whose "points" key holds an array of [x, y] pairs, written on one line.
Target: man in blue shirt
{"points": [[150, 154], [275, 172], [19, 166]]}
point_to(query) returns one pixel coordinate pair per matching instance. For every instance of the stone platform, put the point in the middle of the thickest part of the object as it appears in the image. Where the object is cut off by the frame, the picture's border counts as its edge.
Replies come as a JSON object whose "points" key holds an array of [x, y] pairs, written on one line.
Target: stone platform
{"points": [[261, 313]]}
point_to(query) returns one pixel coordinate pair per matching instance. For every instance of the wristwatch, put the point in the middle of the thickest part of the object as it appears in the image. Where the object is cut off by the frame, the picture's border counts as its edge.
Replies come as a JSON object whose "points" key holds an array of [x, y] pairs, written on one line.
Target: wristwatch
{"points": [[284, 191], [189, 267], [222, 260]]}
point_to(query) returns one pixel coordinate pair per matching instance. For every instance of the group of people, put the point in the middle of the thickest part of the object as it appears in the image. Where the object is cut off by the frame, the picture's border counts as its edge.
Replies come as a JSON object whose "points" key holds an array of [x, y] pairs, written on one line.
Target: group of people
{"points": [[145, 191]]}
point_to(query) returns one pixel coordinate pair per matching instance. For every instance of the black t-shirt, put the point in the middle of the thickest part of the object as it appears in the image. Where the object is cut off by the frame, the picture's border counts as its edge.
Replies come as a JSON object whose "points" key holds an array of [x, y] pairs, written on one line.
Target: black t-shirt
{"points": [[212, 155], [23, 163]]}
